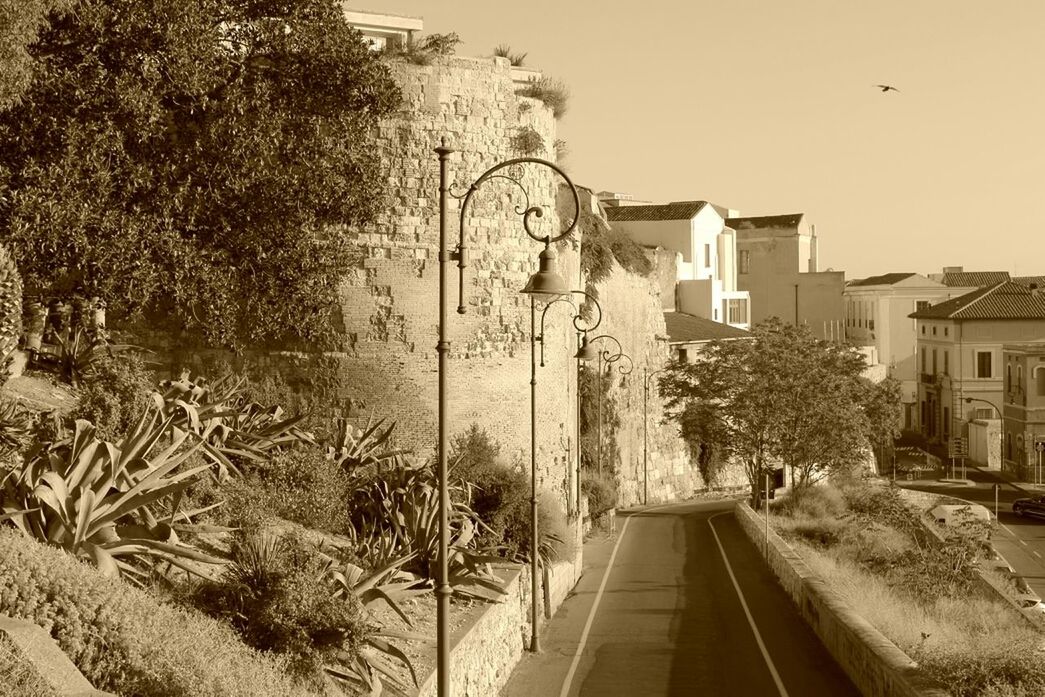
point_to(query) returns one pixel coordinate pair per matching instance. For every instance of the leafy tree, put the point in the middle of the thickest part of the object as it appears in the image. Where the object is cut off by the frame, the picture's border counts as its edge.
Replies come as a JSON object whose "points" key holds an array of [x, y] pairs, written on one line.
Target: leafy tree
{"points": [[195, 160], [783, 396], [881, 401], [589, 445], [19, 22]]}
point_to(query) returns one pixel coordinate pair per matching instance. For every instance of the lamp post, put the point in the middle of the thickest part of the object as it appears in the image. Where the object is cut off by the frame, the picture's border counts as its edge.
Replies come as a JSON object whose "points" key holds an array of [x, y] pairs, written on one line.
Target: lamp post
{"points": [[604, 355], [547, 283], [585, 353], [647, 376]]}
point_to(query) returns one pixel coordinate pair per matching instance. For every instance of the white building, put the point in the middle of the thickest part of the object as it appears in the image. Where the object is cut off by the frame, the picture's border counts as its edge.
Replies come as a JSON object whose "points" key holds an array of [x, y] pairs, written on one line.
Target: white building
{"points": [[706, 255]]}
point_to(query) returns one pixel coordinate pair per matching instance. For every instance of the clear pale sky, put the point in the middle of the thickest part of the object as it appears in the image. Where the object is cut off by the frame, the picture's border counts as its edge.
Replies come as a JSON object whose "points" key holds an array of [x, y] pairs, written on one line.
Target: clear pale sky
{"points": [[769, 107]]}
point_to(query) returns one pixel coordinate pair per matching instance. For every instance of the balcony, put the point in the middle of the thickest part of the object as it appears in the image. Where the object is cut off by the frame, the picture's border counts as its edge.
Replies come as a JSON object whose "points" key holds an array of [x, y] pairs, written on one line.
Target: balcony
{"points": [[927, 378]]}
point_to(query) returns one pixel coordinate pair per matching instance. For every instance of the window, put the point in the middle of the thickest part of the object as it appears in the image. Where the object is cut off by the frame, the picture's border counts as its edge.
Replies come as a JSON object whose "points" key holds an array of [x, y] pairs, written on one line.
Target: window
{"points": [[934, 331], [707, 255], [1040, 371], [946, 331], [983, 364], [946, 362], [745, 261], [946, 422], [683, 356], [1008, 377], [924, 353], [923, 329], [1019, 378], [1008, 446], [921, 305], [737, 308]]}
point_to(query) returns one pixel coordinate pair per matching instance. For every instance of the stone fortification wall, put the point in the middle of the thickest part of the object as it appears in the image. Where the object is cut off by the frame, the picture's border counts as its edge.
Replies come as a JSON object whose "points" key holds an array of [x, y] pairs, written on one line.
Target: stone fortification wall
{"points": [[387, 365], [632, 312]]}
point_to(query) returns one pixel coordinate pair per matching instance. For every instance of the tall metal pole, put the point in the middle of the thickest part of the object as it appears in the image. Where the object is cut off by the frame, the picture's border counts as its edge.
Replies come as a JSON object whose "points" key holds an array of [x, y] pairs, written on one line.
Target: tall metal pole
{"points": [[534, 641], [443, 589], [645, 435], [598, 431], [767, 514], [577, 426]]}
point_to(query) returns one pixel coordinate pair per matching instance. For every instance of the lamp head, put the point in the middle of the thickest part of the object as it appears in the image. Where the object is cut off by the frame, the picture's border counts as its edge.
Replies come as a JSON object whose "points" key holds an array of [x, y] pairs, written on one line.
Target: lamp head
{"points": [[586, 352], [547, 280]]}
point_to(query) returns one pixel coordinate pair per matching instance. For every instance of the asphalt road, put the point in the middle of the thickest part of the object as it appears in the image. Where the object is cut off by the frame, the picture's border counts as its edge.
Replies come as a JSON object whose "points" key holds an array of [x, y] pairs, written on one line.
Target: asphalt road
{"points": [[670, 619], [1020, 540]]}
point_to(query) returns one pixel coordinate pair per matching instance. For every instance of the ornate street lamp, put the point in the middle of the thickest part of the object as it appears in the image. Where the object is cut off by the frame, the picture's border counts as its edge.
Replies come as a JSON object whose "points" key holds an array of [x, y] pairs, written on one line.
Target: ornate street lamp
{"points": [[545, 283], [584, 353], [647, 376], [609, 358]]}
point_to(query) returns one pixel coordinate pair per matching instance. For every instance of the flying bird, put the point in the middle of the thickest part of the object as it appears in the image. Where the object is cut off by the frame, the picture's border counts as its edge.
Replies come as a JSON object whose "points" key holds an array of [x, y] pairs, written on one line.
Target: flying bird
{"points": [[886, 88]]}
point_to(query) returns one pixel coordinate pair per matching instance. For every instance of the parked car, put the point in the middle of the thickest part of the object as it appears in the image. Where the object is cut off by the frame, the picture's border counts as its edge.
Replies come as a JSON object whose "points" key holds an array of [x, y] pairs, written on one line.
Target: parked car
{"points": [[1034, 505]]}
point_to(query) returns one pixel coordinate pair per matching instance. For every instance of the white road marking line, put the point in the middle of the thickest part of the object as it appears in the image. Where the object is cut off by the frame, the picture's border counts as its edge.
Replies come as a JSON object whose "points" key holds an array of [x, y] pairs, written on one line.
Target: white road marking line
{"points": [[743, 603], [1007, 529], [1036, 553], [591, 614], [1024, 543]]}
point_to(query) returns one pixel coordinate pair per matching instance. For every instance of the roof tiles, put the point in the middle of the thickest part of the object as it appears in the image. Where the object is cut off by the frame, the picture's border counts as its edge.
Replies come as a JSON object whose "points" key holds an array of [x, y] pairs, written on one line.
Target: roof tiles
{"points": [[1002, 301], [887, 279], [763, 222], [684, 328], [679, 210], [973, 279]]}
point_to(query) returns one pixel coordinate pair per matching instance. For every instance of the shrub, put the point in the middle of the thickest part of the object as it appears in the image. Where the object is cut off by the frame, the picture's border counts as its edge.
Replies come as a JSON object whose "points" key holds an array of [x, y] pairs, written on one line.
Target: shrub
{"points": [[527, 142], [274, 594], [113, 393], [500, 497], [552, 92], [16, 428], [601, 493], [505, 51], [299, 485], [601, 245], [122, 639], [822, 501]]}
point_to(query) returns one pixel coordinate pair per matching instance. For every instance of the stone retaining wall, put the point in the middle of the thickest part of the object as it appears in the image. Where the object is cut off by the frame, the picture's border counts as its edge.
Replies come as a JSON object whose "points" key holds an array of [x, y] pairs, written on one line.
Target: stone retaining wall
{"points": [[876, 665], [484, 654]]}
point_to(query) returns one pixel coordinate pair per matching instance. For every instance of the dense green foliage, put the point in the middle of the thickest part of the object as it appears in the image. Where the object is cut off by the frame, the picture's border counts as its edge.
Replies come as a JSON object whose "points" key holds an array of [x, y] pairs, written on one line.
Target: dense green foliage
{"points": [[601, 246], [275, 596], [552, 92], [783, 396], [601, 492], [590, 399], [125, 641], [19, 22], [195, 161], [113, 394], [500, 497]]}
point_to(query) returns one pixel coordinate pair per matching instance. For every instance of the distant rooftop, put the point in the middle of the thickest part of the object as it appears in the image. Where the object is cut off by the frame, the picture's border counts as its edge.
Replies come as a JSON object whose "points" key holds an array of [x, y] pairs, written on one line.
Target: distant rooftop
{"points": [[679, 210], [683, 329], [1002, 301], [619, 198], [762, 222], [886, 279], [973, 279], [1038, 281]]}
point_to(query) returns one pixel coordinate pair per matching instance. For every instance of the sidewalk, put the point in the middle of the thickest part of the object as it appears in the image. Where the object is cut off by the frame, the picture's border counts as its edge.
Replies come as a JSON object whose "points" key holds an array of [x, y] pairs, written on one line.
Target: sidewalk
{"points": [[1005, 477]]}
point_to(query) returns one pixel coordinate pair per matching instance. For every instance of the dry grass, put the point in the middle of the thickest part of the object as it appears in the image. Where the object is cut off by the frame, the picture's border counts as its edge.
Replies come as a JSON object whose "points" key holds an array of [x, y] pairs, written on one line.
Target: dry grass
{"points": [[973, 645], [17, 679]]}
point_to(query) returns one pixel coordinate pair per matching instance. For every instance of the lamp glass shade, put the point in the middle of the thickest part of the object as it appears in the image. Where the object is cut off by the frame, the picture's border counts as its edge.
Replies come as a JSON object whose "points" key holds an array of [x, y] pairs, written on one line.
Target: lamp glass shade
{"points": [[586, 352], [547, 280]]}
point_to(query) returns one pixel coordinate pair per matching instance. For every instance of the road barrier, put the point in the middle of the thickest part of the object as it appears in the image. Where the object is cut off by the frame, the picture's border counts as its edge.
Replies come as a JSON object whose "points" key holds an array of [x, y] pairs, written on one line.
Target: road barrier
{"points": [[877, 666]]}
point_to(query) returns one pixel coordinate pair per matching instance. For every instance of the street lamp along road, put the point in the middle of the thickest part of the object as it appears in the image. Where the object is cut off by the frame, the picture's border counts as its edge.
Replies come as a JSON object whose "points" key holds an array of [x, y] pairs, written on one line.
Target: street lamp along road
{"points": [[609, 358], [584, 354], [647, 376], [546, 283]]}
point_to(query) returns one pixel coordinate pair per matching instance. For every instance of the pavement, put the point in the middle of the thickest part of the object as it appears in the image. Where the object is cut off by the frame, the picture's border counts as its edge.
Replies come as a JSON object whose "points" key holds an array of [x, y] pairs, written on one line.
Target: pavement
{"points": [[677, 602]]}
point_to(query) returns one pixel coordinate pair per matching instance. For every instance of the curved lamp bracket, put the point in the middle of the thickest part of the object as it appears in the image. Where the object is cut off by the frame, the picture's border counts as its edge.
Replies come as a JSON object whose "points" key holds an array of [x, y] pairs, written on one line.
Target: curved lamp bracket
{"points": [[527, 211]]}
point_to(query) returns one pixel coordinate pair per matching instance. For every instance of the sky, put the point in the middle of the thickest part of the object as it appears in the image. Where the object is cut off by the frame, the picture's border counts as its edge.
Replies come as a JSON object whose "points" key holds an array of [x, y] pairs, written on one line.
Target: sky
{"points": [[769, 107]]}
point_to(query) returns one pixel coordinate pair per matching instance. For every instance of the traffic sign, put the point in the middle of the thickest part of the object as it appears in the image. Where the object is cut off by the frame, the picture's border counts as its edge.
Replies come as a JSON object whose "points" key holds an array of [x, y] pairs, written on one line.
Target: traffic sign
{"points": [[957, 447], [1040, 446]]}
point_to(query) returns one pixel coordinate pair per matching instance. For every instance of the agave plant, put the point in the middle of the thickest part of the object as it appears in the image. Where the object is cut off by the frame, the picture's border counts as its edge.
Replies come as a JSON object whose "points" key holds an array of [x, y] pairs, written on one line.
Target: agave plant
{"points": [[80, 352], [355, 448], [94, 498], [403, 503], [16, 425], [232, 428], [388, 584], [10, 309]]}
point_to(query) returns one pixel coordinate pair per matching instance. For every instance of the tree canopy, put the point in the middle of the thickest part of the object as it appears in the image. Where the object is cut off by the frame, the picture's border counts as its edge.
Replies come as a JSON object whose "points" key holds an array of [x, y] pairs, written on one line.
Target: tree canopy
{"points": [[196, 161], [781, 397]]}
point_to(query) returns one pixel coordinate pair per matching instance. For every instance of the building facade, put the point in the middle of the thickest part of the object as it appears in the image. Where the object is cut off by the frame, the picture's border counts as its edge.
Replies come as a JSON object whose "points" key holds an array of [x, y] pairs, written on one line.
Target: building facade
{"points": [[706, 255], [1023, 431], [877, 319], [778, 265], [960, 357]]}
